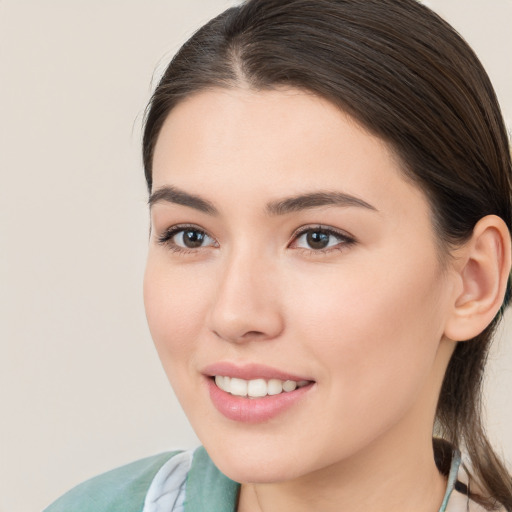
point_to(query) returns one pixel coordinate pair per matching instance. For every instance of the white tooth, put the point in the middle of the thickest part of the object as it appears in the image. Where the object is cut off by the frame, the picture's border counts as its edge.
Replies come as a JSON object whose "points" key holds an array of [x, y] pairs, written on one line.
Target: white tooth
{"points": [[238, 387], [222, 382], [219, 380], [274, 386], [225, 384], [257, 388], [289, 385], [302, 383]]}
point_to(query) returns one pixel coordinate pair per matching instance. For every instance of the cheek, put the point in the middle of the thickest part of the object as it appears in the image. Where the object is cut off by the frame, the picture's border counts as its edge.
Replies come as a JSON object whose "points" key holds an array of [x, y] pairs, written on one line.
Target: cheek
{"points": [[174, 304], [372, 329]]}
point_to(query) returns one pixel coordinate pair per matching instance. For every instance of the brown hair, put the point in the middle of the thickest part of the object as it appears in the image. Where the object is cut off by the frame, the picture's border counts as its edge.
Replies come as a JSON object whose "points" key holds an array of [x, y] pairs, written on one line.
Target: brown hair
{"points": [[408, 77]]}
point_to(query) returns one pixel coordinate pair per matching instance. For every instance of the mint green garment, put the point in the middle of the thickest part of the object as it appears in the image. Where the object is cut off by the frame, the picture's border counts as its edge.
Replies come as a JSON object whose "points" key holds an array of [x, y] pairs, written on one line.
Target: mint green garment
{"points": [[120, 490], [124, 489], [206, 488]]}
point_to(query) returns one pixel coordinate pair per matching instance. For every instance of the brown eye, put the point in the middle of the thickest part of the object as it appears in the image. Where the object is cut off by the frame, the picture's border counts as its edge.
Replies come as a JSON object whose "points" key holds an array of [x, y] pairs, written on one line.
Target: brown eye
{"points": [[191, 238], [321, 239], [317, 239], [186, 238]]}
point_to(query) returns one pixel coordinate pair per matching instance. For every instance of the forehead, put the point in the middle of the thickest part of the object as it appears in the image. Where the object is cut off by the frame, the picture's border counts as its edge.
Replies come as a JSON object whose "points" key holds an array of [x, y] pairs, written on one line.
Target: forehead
{"points": [[276, 142]]}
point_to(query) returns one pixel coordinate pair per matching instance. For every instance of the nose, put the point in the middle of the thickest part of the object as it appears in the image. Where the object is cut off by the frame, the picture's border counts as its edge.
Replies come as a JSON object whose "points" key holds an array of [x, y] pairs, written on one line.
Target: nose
{"points": [[246, 303]]}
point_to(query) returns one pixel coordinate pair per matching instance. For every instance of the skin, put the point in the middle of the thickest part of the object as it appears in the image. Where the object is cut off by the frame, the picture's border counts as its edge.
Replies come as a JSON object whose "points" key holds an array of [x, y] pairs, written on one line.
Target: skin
{"points": [[365, 320]]}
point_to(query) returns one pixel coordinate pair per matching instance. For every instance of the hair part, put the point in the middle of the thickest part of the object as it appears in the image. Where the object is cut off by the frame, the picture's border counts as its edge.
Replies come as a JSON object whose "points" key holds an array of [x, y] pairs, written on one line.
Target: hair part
{"points": [[408, 77]]}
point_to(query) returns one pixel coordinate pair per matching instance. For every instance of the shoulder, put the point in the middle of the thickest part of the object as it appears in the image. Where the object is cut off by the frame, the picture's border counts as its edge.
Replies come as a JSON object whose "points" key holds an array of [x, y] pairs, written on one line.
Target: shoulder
{"points": [[460, 499], [122, 489], [172, 481]]}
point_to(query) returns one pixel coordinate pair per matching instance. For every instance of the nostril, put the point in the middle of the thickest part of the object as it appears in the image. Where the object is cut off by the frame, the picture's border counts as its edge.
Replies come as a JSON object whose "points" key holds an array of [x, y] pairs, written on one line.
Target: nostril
{"points": [[255, 334], [247, 336]]}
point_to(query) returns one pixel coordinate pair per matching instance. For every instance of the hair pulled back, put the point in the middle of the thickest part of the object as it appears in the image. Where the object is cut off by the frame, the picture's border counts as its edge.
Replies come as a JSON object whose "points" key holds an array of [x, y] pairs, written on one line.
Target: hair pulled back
{"points": [[407, 76]]}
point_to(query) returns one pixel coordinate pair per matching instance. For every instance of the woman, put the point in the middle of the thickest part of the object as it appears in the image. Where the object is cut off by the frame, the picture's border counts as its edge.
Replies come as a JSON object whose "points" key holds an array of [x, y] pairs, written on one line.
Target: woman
{"points": [[330, 249]]}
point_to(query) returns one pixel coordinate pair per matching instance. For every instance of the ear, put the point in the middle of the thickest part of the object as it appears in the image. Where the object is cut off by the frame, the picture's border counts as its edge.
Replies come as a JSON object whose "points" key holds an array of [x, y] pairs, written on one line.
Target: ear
{"points": [[483, 268]]}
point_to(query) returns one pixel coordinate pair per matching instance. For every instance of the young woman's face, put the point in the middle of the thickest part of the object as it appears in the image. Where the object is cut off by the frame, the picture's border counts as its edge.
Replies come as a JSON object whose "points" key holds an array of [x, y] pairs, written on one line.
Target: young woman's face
{"points": [[287, 246]]}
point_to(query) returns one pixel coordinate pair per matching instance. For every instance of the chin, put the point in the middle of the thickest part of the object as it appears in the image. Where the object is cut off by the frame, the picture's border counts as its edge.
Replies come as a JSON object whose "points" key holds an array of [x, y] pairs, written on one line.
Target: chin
{"points": [[256, 464], [255, 472]]}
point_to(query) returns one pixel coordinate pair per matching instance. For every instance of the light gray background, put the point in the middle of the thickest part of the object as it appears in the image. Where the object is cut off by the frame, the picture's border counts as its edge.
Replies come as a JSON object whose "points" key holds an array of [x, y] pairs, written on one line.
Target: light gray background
{"points": [[81, 389]]}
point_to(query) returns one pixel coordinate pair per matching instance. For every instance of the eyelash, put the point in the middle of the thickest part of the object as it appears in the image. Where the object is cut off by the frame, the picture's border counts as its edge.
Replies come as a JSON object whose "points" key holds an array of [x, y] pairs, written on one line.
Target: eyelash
{"points": [[344, 240], [166, 238]]}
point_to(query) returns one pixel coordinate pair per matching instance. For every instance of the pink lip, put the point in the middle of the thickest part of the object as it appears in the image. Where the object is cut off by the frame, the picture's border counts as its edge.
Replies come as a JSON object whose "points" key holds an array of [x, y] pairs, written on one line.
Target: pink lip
{"points": [[252, 410], [249, 372]]}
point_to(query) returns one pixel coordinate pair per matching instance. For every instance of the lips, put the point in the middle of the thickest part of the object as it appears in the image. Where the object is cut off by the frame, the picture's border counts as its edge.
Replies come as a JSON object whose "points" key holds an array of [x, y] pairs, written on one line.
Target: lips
{"points": [[253, 393], [250, 371]]}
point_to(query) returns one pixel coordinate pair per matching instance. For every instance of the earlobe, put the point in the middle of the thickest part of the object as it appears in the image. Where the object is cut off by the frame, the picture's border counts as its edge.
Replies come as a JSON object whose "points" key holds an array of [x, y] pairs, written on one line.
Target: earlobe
{"points": [[484, 267]]}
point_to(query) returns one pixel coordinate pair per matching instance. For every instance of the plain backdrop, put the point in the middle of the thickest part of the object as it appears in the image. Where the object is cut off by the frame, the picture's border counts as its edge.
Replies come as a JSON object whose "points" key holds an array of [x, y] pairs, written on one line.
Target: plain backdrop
{"points": [[81, 388]]}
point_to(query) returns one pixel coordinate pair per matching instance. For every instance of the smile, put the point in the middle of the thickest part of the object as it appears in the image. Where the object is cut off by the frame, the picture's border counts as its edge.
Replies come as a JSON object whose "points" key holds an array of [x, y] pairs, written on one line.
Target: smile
{"points": [[257, 388]]}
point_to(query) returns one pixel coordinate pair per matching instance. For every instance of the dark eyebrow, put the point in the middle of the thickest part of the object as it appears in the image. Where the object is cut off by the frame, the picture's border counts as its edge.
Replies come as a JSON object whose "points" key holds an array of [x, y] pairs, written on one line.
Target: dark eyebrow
{"points": [[174, 195], [314, 200]]}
